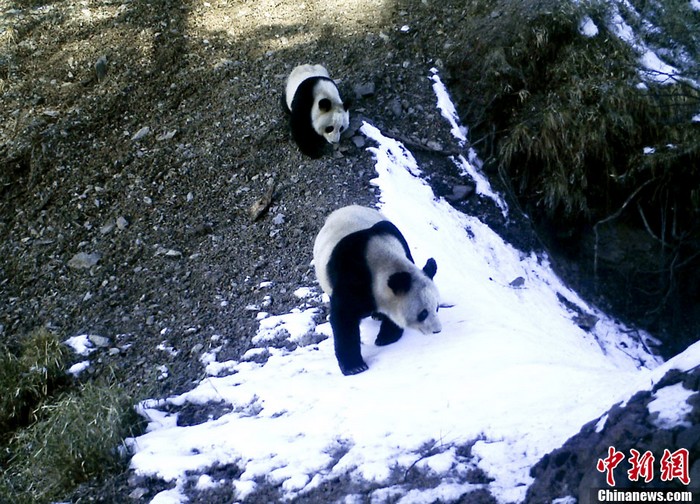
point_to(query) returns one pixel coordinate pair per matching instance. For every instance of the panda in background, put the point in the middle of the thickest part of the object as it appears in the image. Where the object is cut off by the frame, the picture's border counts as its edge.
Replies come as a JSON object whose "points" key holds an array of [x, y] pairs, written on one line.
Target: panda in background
{"points": [[318, 114], [363, 263]]}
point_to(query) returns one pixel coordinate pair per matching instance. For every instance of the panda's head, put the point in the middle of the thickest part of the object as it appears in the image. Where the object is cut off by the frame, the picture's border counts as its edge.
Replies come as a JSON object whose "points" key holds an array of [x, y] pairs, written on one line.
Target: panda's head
{"points": [[415, 300], [329, 116]]}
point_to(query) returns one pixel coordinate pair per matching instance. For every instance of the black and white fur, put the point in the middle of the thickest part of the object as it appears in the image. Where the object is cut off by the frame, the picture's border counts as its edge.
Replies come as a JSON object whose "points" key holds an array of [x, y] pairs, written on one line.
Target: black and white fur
{"points": [[318, 114], [363, 263]]}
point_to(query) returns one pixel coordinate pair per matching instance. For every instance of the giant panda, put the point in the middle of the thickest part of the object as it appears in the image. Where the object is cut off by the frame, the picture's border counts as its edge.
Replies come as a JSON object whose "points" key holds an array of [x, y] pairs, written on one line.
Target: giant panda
{"points": [[363, 263], [318, 114]]}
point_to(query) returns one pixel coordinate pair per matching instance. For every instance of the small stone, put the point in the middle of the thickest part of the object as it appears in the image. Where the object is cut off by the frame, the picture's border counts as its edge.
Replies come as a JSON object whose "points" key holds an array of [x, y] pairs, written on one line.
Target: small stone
{"points": [[359, 141], [166, 136], [395, 107], [436, 146], [107, 228], [460, 192], [162, 251], [140, 134], [83, 260], [365, 89], [99, 341], [278, 219], [586, 321], [101, 68], [138, 493], [518, 282], [122, 223]]}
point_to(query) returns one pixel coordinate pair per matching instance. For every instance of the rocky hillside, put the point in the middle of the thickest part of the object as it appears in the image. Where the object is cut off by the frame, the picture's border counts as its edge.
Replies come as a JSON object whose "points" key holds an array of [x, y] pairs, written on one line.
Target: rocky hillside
{"points": [[148, 181]]}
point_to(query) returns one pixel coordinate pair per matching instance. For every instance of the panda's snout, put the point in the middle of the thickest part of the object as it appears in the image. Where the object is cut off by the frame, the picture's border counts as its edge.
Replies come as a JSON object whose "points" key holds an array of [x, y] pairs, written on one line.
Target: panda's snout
{"points": [[435, 327]]}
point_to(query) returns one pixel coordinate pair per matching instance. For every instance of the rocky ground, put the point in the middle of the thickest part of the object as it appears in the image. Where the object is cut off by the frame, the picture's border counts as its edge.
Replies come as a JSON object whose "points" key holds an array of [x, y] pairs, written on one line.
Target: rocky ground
{"points": [[572, 469], [138, 139], [148, 181]]}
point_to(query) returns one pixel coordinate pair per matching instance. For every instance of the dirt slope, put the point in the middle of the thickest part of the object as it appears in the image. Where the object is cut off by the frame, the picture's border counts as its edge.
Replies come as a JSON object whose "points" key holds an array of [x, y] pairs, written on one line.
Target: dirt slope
{"points": [[137, 136]]}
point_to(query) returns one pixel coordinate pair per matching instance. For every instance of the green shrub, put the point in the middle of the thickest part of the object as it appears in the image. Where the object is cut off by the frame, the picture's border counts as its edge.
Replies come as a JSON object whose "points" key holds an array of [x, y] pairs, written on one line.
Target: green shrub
{"points": [[28, 379], [569, 118], [77, 439], [54, 433]]}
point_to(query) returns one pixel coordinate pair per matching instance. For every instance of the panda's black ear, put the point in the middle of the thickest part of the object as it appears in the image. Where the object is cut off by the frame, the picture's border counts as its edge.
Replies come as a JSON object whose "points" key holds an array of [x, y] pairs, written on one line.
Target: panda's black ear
{"points": [[430, 268], [346, 105], [324, 104], [400, 282]]}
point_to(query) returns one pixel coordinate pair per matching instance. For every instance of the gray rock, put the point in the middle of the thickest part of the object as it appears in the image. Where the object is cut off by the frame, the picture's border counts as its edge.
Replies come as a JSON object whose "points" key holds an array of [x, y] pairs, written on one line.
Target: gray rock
{"points": [[518, 282], [83, 260], [101, 68], [122, 223], [107, 228], [359, 141], [460, 192], [99, 341], [365, 89], [140, 134], [395, 107]]}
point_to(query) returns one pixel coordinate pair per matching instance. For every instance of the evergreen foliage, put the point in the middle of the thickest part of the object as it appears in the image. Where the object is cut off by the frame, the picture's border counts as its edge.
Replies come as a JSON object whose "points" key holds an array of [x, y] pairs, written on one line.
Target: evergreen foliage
{"points": [[56, 433], [583, 134]]}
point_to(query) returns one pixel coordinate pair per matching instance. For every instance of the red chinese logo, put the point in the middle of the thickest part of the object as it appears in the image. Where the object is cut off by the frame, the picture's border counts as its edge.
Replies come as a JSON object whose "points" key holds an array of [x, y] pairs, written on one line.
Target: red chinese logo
{"points": [[608, 464], [642, 466], [673, 465]]}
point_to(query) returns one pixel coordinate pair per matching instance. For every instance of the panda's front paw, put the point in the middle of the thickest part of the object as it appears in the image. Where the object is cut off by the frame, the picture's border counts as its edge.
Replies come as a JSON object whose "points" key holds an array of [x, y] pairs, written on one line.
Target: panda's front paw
{"points": [[353, 370], [388, 332]]}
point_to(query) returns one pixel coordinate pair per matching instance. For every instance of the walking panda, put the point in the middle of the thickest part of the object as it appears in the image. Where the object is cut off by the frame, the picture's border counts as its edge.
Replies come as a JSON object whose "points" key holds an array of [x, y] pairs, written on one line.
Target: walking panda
{"points": [[363, 263], [318, 114]]}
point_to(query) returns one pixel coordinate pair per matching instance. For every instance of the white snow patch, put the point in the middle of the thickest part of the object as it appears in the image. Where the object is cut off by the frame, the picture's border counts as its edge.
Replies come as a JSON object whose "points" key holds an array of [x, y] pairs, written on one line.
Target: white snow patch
{"points": [[601, 423], [657, 70], [81, 344], [304, 292], [472, 166], [78, 368], [653, 67], [296, 325], [588, 28], [447, 108], [695, 5], [671, 405], [483, 186], [206, 482]]}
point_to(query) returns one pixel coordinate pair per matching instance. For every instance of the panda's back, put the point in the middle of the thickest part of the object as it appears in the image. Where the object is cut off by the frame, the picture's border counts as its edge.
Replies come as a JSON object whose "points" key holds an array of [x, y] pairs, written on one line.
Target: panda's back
{"points": [[299, 75], [347, 244], [339, 224]]}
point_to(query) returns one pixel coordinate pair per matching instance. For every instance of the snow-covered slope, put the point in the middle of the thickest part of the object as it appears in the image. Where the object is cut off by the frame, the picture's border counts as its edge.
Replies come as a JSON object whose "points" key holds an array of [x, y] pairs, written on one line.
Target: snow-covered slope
{"points": [[511, 376]]}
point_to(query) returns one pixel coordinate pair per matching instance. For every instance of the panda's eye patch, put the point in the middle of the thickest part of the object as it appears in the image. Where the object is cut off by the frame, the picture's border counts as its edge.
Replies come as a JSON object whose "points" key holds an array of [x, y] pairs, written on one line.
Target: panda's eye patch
{"points": [[422, 316], [329, 129]]}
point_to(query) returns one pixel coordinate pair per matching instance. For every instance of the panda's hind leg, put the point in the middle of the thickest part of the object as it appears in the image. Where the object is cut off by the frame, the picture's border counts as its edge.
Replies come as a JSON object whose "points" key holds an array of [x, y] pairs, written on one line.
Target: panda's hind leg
{"points": [[388, 331]]}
